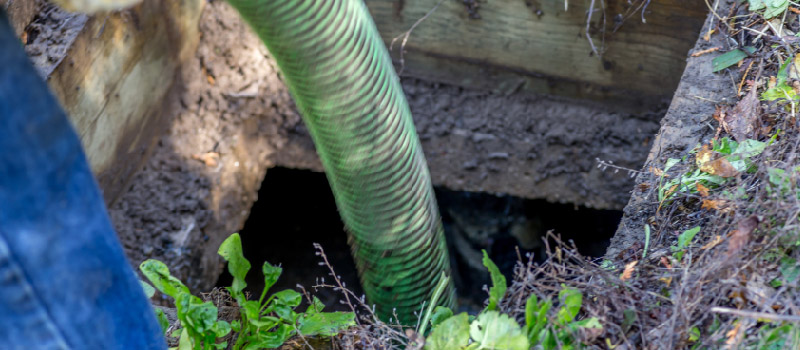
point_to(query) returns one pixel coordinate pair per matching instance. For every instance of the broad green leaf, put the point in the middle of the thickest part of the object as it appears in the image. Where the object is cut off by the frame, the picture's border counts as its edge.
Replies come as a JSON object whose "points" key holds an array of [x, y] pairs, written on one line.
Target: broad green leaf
{"points": [[498, 289], [221, 328], [238, 266], [686, 237], [694, 334], [571, 300], [591, 322], [452, 334], [750, 148], [284, 303], [327, 323], [270, 340], [780, 91], [725, 145], [775, 8], [264, 322], [202, 317], [493, 330], [730, 58], [670, 163], [251, 309], [162, 320], [288, 297], [185, 343], [159, 276], [149, 291], [756, 5], [271, 274], [440, 313], [315, 307], [236, 326]]}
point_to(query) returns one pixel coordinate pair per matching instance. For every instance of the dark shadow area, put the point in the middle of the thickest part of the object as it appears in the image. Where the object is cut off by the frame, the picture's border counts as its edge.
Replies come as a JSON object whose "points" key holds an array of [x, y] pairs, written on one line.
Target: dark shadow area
{"points": [[509, 228], [296, 208]]}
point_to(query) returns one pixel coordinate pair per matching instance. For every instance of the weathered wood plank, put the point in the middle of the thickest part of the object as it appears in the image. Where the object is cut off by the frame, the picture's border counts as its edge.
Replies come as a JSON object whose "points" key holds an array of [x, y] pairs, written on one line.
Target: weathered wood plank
{"points": [[115, 81], [20, 13], [536, 46]]}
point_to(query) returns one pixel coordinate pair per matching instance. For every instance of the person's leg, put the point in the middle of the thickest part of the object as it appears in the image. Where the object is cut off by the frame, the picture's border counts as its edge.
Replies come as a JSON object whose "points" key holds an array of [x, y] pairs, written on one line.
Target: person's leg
{"points": [[64, 281]]}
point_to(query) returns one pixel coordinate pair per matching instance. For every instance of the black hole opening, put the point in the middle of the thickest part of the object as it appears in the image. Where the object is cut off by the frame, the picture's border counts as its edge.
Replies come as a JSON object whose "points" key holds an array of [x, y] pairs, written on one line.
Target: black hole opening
{"points": [[296, 208]]}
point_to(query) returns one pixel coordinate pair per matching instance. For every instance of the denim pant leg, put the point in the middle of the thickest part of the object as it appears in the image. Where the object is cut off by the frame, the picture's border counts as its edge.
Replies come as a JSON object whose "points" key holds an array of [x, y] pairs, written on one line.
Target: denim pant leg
{"points": [[64, 280]]}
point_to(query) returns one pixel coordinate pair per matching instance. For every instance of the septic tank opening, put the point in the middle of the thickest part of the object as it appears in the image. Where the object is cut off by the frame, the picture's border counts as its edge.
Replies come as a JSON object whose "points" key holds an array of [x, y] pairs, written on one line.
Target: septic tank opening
{"points": [[296, 208]]}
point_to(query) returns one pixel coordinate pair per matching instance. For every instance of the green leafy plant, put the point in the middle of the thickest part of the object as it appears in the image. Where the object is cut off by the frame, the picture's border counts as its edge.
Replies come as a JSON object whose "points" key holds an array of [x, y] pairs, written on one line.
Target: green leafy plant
{"points": [[772, 8], [498, 282], [684, 240], [738, 155], [494, 330], [781, 90], [264, 323], [731, 58], [549, 335], [199, 319]]}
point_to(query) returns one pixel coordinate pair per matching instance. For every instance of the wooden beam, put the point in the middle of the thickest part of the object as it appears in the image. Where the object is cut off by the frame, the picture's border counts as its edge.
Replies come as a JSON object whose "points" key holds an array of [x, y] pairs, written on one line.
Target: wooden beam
{"points": [[116, 79], [537, 46], [20, 13]]}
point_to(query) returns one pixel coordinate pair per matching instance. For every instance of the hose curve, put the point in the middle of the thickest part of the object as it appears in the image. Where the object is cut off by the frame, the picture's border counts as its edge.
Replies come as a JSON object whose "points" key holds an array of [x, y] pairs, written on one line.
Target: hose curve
{"points": [[340, 74]]}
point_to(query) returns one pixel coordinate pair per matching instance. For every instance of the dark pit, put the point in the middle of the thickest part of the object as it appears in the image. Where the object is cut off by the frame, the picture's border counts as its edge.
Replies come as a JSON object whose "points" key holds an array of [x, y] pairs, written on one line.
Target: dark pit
{"points": [[296, 209]]}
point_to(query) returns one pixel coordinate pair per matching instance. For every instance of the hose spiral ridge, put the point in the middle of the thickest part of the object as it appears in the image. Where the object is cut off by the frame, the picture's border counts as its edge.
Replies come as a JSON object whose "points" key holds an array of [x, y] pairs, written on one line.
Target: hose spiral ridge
{"points": [[340, 74]]}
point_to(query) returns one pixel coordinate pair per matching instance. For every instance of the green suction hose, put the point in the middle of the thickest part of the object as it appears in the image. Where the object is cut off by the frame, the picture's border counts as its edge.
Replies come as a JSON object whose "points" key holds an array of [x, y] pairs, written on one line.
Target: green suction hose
{"points": [[340, 74]]}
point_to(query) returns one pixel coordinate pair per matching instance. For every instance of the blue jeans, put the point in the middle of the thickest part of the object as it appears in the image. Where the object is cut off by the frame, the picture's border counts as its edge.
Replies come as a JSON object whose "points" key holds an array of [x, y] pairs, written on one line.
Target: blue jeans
{"points": [[64, 280]]}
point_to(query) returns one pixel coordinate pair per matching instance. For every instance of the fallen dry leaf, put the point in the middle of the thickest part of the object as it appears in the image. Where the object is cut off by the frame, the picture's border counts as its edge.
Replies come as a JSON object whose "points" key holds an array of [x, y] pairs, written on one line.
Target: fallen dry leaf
{"points": [[720, 166], [741, 235], [733, 335], [627, 273], [702, 189], [716, 204], [713, 243], [741, 121], [657, 172], [665, 262], [211, 159], [666, 280], [670, 191]]}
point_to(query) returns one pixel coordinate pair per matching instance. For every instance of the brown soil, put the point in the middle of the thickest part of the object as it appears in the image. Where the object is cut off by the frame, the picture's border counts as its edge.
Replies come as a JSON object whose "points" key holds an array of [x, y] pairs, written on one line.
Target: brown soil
{"points": [[204, 175], [536, 147], [235, 120]]}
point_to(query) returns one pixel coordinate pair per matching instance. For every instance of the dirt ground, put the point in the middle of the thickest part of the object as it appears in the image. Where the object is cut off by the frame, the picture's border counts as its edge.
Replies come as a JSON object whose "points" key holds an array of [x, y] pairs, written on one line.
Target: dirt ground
{"points": [[235, 120], [536, 147], [204, 175], [688, 122]]}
